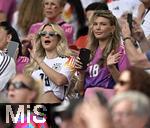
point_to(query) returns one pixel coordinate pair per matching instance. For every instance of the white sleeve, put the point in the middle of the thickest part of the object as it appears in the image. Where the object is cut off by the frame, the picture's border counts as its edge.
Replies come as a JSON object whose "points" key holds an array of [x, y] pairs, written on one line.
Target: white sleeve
{"points": [[68, 68], [7, 73]]}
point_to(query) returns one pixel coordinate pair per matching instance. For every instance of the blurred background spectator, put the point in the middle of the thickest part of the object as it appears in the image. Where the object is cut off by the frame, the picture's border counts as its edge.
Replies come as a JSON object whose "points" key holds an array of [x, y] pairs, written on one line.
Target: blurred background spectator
{"points": [[8, 8], [131, 80], [28, 13], [21, 60], [130, 110]]}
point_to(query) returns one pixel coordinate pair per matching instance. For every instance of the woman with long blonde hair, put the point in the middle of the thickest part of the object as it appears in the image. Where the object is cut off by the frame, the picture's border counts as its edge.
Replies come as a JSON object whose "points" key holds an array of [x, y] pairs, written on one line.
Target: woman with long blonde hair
{"points": [[51, 62], [108, 56]]}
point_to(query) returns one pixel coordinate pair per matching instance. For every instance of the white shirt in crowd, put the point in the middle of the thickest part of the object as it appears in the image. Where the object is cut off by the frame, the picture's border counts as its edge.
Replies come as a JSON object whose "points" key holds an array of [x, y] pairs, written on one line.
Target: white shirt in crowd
{"points": [[119, 7], [146, 24], [59, 64], [7, 69]]}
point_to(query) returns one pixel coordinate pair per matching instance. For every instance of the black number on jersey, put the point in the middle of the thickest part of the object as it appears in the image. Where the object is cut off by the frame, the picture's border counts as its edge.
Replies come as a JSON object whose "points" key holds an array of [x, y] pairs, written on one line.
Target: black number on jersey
{"points": [[42, 75], [47, 83], [45, 78]]}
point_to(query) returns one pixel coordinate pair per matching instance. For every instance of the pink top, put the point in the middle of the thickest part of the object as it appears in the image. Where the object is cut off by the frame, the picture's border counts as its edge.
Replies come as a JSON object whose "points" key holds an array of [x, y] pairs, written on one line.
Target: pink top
{"points": [[99, 78], [20, 63]]}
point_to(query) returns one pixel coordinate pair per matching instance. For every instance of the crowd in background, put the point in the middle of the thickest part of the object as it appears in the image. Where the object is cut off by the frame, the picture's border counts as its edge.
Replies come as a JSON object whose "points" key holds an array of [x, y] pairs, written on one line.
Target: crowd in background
{"points": [[89, 59]]}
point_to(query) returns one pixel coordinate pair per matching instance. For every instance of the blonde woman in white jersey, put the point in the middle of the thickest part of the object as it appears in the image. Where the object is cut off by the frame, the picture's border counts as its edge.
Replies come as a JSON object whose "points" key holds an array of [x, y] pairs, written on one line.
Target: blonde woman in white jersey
{"points": [[50, 61]]}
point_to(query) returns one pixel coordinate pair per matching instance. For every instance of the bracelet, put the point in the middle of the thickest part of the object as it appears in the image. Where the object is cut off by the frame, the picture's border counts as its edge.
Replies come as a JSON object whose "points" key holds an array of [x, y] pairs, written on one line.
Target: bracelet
{"points": [[126, 38]]}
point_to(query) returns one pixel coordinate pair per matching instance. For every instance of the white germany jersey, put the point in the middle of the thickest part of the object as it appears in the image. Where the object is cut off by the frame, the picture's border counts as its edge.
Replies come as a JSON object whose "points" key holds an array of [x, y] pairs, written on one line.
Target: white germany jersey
{"points": [[59, 64], [7, 69]]}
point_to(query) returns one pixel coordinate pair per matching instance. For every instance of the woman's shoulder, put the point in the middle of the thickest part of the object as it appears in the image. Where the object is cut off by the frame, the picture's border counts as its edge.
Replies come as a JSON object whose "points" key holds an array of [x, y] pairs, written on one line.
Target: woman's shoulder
{"points": [[66, 26], [5, 58], [121, 48], [69, 60], [35, 27]]}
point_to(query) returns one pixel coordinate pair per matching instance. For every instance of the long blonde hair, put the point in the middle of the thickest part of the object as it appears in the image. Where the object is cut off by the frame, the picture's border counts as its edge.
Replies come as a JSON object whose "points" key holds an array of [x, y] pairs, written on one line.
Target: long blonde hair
{"points": [[30, 12], [62, 47], [114, 37]]}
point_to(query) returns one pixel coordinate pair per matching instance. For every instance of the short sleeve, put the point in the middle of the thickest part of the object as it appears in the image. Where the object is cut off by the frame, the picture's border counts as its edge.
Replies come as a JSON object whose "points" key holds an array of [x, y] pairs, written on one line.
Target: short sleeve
{"points": [[123, 61], [68, 68]]}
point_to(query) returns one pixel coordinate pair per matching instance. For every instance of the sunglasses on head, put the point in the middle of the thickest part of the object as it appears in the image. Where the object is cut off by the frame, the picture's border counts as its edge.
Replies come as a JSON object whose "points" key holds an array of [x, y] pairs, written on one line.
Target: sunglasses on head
{"points": [[18, 85], [51, 34]]}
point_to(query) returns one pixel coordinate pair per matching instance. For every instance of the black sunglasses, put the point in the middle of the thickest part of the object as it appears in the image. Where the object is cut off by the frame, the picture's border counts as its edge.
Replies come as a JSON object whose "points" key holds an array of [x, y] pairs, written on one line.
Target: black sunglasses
{"points": [[17, 85], [51, 34]]}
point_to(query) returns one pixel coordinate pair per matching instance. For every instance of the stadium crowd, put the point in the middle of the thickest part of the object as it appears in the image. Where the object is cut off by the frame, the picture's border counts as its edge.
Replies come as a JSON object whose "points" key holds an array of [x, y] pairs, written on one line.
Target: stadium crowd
{"points": [[87, 61]]}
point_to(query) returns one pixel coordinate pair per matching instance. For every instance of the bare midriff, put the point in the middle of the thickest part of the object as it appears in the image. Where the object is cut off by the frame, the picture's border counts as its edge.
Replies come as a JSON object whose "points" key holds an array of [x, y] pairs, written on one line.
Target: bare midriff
{"points": [[49, 97]]}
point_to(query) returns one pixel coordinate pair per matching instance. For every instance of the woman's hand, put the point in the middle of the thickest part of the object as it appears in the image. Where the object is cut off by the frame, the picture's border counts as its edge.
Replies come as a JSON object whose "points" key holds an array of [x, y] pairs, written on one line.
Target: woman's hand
{"points": [[125, 28], [78, 67], [138, 32], [78, 64], [113, 58], [33, 53]]}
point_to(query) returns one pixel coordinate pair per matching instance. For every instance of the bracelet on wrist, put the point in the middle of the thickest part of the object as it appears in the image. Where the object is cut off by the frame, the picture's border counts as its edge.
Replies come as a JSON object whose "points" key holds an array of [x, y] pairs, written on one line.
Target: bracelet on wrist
{"points": [[127, 38]]}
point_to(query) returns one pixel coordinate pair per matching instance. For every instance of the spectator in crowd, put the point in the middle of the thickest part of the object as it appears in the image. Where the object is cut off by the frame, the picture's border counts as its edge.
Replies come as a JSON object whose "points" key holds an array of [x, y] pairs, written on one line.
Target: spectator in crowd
{"points": [[136, 58], [133, 79], [7, 64], [21, 60], [108, 56], [24, 89], [50, 62], [53, 10], [139, 36], [130, 110], [13, 34], [92, 113], [82, 41], [26, 15]]}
